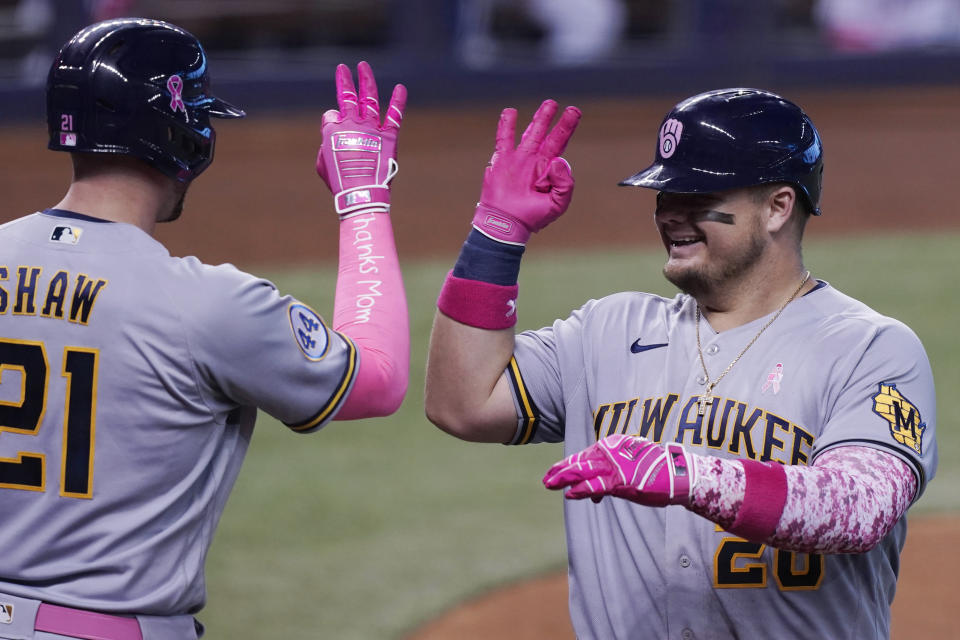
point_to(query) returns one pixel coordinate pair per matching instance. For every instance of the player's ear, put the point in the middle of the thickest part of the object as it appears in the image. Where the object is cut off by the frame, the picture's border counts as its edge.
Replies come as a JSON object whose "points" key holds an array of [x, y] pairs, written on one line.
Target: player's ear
{"points": [[779, 206]]}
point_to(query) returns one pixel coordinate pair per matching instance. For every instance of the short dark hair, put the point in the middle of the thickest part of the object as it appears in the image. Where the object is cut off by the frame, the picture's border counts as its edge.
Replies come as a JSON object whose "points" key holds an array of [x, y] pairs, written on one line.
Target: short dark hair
{"points": [[91, 165], [801, 205]]}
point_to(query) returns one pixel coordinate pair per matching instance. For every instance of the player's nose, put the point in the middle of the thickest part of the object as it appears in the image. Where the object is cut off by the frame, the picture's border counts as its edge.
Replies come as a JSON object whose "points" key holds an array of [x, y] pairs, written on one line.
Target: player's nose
{"points": [[663, 215]]}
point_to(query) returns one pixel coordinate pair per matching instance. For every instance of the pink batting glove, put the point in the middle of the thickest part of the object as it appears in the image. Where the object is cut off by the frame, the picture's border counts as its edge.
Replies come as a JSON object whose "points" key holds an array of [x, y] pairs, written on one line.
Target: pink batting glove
{"points": [[527, 187], [630, 467], [357, 158]]}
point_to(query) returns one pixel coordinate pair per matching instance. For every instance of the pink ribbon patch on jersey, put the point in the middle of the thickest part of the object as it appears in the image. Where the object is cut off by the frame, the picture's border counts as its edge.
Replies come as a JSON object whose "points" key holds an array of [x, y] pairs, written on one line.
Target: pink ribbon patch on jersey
{"points": [[773, 379], [175, 87]]}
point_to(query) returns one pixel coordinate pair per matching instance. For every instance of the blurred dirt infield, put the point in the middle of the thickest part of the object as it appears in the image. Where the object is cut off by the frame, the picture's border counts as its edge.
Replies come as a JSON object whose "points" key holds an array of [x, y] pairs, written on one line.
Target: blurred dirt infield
{"points": [[891, 163]]}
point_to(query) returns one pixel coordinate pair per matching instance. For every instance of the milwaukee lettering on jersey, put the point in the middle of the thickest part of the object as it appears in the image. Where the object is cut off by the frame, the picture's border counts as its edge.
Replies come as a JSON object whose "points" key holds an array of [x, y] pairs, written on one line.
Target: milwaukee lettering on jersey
{"points": [[62, 296], [356, 141], [741, 429]]}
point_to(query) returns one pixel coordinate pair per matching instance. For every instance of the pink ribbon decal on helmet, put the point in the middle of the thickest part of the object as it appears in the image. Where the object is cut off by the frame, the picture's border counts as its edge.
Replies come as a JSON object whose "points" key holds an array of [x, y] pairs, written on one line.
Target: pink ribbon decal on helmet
{"points": [[175, 86], [670, 137]]}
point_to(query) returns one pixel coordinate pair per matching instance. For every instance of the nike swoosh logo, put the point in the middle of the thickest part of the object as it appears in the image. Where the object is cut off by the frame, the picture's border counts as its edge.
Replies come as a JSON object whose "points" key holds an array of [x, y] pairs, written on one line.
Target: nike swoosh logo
{"points": [[636, 347]]}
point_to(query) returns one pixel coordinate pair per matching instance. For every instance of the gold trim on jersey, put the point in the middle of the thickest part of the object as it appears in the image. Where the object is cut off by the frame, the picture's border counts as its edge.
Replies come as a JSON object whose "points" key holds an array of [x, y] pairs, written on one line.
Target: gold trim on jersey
{"points": [[23, 383], [79, 419], [29, 463], [335, 399], [529, 413], [791, 570], [4, 296], [795, 571], [25, 301], [730, 573], [56, 295], [84, 296], [25, 414], [729, 425], [26, 295]]}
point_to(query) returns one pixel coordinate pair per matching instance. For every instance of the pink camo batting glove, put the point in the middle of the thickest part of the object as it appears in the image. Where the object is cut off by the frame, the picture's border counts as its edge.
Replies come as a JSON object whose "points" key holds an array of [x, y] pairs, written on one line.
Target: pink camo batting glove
{"points": [[358, 156], [527, 187], [630, 467]]}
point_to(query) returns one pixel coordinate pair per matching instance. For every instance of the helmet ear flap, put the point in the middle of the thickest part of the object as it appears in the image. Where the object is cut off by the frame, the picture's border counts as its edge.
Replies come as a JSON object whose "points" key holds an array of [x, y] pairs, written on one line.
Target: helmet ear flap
{"points": [[196, 152]]}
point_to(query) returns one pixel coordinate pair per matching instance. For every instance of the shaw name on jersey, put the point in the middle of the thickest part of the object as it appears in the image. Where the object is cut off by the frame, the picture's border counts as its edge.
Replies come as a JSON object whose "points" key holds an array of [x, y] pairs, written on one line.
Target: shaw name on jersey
{"points": [[63, 296]]}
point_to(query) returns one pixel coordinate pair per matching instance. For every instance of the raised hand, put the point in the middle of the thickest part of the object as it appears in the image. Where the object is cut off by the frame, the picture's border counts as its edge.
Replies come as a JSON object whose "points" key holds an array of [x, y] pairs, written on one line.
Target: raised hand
{"points": [[630, 467], [527, 187], [357, 158]]}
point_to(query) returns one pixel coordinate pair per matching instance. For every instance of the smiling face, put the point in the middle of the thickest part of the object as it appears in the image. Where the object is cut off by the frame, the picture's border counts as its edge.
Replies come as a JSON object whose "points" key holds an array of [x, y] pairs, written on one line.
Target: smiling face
{"points": [[711, 239]]}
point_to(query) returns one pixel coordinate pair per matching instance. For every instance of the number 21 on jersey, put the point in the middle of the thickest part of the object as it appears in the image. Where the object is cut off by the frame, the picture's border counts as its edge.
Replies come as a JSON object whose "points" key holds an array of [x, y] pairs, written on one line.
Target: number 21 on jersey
{"points": [[24, 415]]}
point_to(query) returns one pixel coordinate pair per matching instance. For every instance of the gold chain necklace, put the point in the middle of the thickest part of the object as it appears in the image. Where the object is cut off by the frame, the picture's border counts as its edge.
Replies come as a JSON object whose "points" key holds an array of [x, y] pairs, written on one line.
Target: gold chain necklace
{"points": [[707, 398]]}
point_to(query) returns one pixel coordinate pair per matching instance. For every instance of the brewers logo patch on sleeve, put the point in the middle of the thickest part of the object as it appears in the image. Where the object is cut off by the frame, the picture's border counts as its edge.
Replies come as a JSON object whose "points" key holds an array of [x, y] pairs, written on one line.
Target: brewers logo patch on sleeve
{"points": [[309, 331], [906, 425]]}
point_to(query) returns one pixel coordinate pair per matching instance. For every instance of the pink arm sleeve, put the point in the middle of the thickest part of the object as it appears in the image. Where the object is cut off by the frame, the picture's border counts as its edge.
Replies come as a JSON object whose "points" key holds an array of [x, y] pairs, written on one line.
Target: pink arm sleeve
{"points": [[371, 309], [846, 502]]}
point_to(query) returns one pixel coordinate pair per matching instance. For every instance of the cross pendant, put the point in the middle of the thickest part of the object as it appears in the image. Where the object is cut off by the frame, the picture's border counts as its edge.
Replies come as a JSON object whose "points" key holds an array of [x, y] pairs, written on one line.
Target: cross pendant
{"points": [[705, 399]]}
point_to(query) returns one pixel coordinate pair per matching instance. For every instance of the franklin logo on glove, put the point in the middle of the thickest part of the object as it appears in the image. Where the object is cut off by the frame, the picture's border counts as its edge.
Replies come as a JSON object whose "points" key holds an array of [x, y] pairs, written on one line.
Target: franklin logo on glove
{"points": [[356, 142]]}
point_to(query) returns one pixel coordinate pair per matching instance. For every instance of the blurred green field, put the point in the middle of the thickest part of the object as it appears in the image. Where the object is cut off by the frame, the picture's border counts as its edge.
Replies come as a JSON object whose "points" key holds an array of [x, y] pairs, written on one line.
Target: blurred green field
{"points": [[367, 529]]}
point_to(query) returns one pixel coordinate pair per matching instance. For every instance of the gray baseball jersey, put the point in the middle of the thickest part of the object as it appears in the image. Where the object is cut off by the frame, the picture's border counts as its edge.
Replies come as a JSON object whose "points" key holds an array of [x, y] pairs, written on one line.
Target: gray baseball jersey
{"points": [[130, 382], [828, 372]]}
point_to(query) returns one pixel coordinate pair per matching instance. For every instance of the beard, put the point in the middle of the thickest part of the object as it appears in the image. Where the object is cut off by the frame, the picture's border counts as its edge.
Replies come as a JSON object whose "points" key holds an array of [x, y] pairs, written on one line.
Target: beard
{"points": [[177, 208], [700, 281]]}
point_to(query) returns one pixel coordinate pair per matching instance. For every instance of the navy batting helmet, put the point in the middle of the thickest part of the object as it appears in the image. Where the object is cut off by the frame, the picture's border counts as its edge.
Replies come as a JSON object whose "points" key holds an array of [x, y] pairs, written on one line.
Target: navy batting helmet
{"points": [[732, 138], [135, 87]]}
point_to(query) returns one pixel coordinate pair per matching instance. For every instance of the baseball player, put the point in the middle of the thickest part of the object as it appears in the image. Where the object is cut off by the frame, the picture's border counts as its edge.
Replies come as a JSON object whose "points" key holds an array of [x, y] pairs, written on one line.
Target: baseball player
{"points": [[130, 378], [751, 445]]}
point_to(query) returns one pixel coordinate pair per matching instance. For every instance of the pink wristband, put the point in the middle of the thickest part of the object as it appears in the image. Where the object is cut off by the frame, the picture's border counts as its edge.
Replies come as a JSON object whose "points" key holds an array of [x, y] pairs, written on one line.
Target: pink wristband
{"points": [[478, 304], [765, 494]]}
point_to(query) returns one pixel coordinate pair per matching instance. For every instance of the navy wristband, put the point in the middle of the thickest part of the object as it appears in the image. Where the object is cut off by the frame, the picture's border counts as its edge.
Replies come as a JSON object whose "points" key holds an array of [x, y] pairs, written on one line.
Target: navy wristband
{"points": [[487, 260]]}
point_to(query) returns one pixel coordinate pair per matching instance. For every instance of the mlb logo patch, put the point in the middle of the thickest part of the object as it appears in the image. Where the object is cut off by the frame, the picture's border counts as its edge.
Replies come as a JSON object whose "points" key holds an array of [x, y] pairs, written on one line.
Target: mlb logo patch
{"points": [[6, 613], [68, 139], [66, 234]]}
